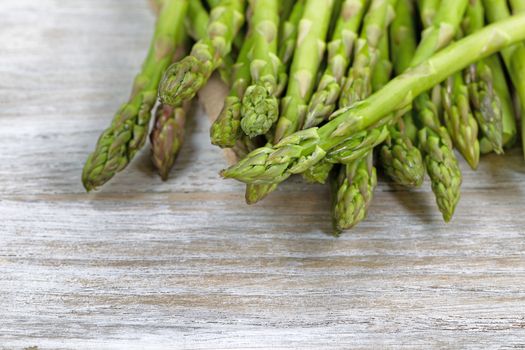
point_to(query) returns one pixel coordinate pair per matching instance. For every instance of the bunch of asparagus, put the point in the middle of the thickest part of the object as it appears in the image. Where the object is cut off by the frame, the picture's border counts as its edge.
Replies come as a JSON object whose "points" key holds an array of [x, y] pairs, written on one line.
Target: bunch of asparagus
{"points": [[331, 89]]}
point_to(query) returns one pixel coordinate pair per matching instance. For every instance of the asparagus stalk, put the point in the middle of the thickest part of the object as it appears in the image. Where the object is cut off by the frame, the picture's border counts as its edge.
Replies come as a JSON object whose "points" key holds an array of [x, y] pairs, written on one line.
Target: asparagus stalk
{"points": [[428, 11], [257, 192], [446, 24], [308, 54], [353, 190], [514, 58], [501, 89], [128, 132], [260, 107], [400, 158], [340, 47], [358, 84], [352, 193], [459, 121], [309, 50], [167, 137], [184, 79], [486, 105], [289, 30], [226, 129], [305, 148], [324, 100]]}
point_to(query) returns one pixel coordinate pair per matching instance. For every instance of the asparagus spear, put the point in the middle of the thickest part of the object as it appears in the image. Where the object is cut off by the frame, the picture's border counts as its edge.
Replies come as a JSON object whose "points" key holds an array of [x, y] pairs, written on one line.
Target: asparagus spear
{"points": [[301, 150], [358, 84], [352, 193], [308, 54], [428, 11], [400, 158], [183, 79], [260, 107], [340, 47], [514, 56], [324, 100], [119, 143], [446, 23], [289, 30], [353, 190], [501, 89], [459, 121], [226, 130], [167, 137]]}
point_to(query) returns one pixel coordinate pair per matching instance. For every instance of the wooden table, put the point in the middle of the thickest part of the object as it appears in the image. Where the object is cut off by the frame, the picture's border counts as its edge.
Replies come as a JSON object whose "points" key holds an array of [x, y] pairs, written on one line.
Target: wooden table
{"points": [[186, 264]]}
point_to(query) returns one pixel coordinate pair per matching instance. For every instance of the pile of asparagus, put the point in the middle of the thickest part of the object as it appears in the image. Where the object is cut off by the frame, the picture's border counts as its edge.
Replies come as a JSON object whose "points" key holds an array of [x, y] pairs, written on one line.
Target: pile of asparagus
{"points": [[331, 89]]}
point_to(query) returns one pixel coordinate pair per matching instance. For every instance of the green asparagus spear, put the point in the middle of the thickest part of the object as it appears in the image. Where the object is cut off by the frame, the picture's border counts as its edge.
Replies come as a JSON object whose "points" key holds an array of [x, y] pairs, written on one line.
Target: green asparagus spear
{"points": [[260, 107], [442, 31], [501, 89], [257, 192], [514, 57], [128, 132], [167, 137], [352, 193], [459, 121], [183, 79], [433, 139], [400, 158], [340, 47], [308, 54], [324, 100], [358, 84], [226, 129], [428, 11], [485, 103], [312, 31], [288, 33], [301, 150]]}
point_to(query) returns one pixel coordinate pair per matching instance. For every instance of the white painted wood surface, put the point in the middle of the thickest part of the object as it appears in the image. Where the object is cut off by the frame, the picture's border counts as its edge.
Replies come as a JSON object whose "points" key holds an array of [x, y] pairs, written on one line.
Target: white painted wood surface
{"points": [[186, 264]]}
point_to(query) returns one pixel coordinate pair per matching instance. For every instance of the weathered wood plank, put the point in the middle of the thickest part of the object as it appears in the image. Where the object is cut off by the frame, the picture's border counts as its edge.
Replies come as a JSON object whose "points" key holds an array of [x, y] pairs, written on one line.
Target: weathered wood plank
{"points": [[186, 264]]}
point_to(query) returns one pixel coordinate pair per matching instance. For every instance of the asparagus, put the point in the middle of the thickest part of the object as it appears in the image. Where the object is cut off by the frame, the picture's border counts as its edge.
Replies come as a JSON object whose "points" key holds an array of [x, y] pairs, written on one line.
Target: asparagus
{"points": [[340, 47], [501, 89], [183, 79], [119, 143], [400, 158], [307, 58], [514, 58], [257, 192], [428, 11], [288, 33], [459, 121], [197, 20], [305, 148], [486, 105], [446, 23], [309, 50], [260, 107], [167, 137], [226, 129], [324, 100], [352, 191], [358, 84], [433, 139]]}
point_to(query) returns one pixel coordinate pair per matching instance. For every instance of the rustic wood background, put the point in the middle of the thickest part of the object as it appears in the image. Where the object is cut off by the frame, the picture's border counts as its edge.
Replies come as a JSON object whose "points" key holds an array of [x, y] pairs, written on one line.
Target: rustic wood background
{"points": [[186, 264]]}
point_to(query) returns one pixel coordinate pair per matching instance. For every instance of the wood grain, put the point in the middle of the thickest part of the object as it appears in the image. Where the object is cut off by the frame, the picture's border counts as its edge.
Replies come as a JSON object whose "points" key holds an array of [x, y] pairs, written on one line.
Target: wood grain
{"points": [[186, 264]]}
